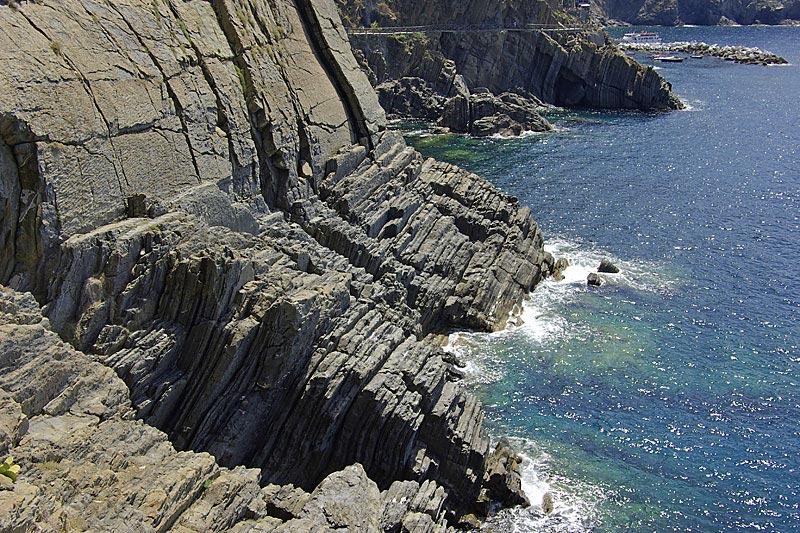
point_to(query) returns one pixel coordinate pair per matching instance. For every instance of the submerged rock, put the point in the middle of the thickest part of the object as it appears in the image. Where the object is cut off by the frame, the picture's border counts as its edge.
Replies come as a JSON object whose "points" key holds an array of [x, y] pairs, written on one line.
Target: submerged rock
{"points": [[547, 503], [607, 267]]}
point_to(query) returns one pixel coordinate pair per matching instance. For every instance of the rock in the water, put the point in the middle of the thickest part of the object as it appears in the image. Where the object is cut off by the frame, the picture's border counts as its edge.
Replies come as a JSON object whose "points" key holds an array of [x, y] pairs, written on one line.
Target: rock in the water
{"points": [[500, 124], [547, 503], [558, 268], [594, 279], [503, 476], [608, 267]]}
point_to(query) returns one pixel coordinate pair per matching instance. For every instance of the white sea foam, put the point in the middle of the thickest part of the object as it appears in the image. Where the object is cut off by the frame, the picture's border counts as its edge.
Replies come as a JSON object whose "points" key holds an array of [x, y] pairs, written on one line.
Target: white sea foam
{"points": [[544, 319], [583, 259], [692, 105], [524, 135], [544, 315], [575, 508]]}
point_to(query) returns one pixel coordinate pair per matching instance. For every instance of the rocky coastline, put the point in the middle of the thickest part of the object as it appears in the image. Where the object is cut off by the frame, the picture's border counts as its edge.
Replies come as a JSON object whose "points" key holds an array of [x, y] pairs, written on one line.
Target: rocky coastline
{"points": [[222, 278], [486, 83], [737, 54]]}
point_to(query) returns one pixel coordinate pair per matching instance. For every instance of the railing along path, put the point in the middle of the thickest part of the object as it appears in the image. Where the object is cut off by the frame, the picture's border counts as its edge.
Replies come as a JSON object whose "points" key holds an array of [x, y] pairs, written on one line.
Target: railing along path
{"points": [[475, 28]]}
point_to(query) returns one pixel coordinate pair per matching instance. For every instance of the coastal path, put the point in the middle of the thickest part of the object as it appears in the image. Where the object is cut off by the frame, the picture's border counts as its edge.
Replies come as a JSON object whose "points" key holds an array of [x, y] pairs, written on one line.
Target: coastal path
{"points": [[475, 28]]}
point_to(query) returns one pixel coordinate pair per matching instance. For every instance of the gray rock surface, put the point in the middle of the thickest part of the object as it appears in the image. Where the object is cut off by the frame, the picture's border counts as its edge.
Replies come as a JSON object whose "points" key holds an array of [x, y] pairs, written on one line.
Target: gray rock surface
{"points": [[484, 114], [608, 267], [87, 464], [564, 69], [204, 200]]}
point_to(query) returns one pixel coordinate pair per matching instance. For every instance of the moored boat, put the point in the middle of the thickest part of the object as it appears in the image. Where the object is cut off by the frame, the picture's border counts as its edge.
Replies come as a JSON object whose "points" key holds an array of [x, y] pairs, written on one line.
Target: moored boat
{"points": [[642, 37], [669, 59]]}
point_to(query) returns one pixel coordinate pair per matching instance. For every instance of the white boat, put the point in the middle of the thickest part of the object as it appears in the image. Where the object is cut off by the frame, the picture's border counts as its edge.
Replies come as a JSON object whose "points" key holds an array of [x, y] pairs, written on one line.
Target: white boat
{"points": [[669, 59], [642, 37]]}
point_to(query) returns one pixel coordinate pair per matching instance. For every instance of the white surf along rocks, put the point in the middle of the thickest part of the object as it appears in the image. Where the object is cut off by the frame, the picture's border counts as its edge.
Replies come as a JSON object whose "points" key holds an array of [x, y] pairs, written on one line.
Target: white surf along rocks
{"points": [[203, 197]]}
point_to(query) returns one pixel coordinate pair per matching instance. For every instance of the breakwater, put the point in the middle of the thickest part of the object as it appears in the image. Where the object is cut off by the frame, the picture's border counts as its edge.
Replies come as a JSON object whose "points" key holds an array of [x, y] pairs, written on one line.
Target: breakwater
{"points": [[737, 54]]}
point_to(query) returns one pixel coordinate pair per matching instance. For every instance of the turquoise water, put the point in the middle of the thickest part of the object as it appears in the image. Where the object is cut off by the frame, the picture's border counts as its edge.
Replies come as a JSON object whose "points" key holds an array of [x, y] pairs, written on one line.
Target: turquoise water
{"points": [[666, 400]]}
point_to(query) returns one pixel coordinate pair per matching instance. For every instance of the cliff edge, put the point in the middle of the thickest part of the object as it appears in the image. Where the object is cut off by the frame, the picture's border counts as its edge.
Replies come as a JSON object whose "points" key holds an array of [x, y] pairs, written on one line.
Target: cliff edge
{"points": [[203, 197], [448, 73]]}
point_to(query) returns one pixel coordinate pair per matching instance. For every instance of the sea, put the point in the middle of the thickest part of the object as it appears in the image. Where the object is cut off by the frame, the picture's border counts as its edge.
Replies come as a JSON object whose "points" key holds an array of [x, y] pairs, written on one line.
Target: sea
{"points": [[667, 399]]}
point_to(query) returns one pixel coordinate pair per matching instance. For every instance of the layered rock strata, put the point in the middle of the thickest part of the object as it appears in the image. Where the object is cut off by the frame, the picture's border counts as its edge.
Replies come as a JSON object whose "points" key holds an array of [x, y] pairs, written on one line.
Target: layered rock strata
{"points": [[204, 198], [568, 69], [88, 465]]}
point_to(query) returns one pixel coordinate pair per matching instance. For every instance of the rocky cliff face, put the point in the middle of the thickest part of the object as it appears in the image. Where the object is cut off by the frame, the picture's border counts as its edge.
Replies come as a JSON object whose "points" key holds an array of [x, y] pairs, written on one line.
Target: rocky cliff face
{"points": [[204, 198], [565, 69], [703, 12], [88, 465]]}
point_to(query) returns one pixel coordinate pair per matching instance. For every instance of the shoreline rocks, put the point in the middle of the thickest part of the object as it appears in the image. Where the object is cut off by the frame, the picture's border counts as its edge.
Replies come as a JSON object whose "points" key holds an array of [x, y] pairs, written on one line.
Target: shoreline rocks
{"points": [[88, 464], [737, 54], [481, 114], [569, 70], [204, 197], [608, 267]]}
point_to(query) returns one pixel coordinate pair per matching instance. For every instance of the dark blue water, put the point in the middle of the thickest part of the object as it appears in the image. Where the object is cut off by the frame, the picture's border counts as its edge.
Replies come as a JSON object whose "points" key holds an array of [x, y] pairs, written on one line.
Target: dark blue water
{"points": [[668, 399]]}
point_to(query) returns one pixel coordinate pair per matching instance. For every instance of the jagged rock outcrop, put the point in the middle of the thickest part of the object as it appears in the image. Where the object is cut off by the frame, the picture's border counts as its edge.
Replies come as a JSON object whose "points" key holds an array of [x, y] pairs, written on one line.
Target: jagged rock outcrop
{"points": [[703, 12], [484, 114], [565, 69], [203, 197], [87, 464]]}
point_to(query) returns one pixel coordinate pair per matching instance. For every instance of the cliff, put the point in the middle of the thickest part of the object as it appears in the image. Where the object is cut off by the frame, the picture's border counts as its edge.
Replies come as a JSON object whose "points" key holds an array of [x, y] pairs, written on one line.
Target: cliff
{"points": [[203, 197], [88, 465], [701, 12], [573, 69]]}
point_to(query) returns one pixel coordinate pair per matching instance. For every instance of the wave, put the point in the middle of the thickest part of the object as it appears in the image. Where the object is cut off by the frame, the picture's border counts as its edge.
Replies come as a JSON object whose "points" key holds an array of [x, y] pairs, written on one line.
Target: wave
{"points": [[544, 319], [692, 105], [524, 135], [547, 320], [583, 258], [575, 503]]}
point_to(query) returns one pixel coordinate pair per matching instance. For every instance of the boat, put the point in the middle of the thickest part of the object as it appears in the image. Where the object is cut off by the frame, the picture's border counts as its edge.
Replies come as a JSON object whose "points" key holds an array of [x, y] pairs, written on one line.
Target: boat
{"points": [[669, 59], [642, 37], [697, 56]]}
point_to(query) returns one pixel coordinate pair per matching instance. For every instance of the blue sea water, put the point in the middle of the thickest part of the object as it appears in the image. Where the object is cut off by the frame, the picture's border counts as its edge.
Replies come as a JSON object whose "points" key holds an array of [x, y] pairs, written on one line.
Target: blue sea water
{"points": [[667, 399]]}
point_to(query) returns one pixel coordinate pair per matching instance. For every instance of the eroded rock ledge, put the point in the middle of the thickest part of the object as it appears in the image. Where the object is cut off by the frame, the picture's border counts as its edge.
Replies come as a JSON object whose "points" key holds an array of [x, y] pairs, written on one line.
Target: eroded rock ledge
{"points": [[431, 75], [203, 197], [87, 464]]}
